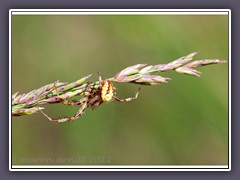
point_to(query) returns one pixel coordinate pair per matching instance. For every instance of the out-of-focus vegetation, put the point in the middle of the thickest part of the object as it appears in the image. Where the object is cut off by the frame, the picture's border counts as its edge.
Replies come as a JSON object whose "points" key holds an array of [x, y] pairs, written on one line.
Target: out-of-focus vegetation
{"points": [[184, 122]]}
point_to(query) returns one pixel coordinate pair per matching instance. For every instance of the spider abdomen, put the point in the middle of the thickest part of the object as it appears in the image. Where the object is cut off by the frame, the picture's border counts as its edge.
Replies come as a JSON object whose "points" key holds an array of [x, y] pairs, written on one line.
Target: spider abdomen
{"points": [[107, 91]]}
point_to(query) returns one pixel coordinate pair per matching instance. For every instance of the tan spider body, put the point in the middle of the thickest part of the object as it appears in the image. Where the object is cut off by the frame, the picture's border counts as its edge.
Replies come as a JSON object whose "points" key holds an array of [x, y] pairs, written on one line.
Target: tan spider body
{"points": [[107, 91], [93, 97]]}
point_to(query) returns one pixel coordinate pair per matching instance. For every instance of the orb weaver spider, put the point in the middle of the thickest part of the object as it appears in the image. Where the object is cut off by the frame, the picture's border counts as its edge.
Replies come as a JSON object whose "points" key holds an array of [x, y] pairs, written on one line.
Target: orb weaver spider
{"points": [[93, 97]]}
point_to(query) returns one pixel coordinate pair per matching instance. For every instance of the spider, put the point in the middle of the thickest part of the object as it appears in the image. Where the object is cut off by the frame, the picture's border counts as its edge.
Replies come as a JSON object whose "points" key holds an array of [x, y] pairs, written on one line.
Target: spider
{"points": [[93, 97]]}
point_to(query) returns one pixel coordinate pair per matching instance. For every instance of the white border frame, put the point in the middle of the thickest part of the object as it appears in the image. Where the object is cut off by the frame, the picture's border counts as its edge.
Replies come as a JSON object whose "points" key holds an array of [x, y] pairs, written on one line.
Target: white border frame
{"points": [[120, 12]]}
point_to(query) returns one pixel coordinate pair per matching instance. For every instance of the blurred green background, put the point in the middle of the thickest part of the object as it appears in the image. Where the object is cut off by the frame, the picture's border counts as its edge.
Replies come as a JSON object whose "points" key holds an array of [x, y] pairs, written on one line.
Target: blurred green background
{"points": [[184, 122]]}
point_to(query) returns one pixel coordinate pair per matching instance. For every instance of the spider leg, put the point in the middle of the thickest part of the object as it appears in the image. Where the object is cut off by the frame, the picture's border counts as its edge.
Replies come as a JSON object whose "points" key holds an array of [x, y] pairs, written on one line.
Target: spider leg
{"points": [[74, 102], [95, 102], [76, 116], [99, 77], [127, 99], [83, 102]]}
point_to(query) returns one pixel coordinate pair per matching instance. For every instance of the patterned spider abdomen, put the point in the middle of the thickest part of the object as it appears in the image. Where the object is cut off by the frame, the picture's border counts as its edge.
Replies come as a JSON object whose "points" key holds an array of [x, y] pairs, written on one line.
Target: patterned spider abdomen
{"points": [[107, 91]]}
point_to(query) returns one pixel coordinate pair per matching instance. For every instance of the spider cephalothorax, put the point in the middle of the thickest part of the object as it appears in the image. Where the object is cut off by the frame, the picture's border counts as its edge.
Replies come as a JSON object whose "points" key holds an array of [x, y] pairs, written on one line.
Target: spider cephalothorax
{"points": [[94, 96]]}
